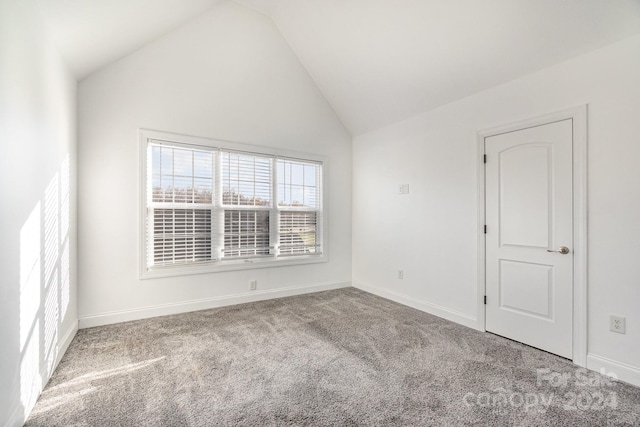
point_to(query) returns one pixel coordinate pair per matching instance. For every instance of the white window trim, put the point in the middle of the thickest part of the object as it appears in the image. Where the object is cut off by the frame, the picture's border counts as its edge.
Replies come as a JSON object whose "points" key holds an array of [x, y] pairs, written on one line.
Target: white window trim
{"points": [[236, 264]]}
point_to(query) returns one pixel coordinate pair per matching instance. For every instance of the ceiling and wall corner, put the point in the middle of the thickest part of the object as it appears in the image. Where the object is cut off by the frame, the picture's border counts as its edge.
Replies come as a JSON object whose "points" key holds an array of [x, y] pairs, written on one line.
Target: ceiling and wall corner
{"points": [[91, 34], [376, 61], [265, 7]]}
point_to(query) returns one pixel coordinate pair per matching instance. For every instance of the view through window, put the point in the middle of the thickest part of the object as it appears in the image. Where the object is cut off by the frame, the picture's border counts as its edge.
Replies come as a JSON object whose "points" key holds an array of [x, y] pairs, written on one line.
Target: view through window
{"points": [[211, 205]]}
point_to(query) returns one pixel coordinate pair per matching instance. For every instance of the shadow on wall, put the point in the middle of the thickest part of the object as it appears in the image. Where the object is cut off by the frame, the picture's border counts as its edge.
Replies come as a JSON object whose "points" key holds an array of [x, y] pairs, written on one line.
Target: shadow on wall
{"points": [[44, 286]]}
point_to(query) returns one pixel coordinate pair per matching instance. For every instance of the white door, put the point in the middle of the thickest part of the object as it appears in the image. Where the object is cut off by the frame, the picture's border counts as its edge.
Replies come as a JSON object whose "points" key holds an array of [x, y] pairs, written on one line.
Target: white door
{"points": [[529, 236]]}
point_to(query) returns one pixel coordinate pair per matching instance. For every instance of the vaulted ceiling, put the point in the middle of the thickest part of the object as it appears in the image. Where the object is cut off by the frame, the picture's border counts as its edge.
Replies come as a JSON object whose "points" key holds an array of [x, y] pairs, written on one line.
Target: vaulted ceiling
{"points": [[376, 61], [93, 33]]}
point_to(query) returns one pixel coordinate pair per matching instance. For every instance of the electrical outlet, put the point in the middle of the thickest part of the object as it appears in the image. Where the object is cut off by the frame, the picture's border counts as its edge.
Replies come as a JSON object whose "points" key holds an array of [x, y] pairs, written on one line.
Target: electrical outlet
{"points": [[253, 285], [400, 274], [403, 189], [618, 324]]}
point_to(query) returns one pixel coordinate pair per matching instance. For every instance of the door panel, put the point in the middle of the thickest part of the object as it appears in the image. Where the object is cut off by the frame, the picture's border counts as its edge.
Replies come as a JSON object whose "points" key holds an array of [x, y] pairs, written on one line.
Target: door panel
{"points": [[524, 195], [526, 288], [528, 204]]}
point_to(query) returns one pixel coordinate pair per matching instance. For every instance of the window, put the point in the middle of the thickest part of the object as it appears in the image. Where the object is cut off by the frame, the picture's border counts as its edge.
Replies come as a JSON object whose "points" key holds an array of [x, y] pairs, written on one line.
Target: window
{"points": [[246, 197], [298, 202], [211, 206], [180, 202]]}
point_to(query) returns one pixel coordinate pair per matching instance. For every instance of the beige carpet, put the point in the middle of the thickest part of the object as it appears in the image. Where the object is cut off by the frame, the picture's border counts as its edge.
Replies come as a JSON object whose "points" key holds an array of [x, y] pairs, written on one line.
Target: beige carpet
{"points": [[341, 357]]}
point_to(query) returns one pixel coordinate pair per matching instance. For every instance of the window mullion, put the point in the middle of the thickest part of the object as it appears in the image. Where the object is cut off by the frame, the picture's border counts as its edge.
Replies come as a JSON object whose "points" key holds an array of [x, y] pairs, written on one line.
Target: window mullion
{"points": [[254, 181], [274, 229], [217, 213], [149, 252], [173, 246], [319, 211], [238, 178], [150, 237]]}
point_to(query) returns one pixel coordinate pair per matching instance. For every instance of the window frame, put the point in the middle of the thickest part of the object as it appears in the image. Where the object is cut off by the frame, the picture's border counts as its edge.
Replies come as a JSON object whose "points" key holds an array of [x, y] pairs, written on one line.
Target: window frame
{"points": [[239, 263]]}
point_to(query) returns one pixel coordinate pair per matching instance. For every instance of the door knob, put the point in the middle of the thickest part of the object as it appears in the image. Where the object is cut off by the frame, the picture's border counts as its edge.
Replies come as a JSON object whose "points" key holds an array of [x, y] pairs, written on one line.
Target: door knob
{"points": [[563, 250]]}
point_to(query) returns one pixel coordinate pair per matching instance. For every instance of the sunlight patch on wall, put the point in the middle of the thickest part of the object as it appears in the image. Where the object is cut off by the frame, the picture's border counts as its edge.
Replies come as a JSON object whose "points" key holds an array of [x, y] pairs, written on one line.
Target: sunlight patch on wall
{"points": [[65, 190], [51, 278], [29, 274], [65, 280], [51, 327], [65, 214], [45, 288], [51, 230], [30, 379], [30, 303]]}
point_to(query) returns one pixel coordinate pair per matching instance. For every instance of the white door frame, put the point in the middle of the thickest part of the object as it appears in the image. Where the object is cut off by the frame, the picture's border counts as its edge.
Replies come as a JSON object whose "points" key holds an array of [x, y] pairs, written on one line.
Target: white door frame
{"points": [[578, 115]]}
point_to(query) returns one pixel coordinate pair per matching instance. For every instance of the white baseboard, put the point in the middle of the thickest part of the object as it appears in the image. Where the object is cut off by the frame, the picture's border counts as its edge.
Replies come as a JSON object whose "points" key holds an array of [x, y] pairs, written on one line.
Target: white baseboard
{"points": [[19, 414], [64, 344], [624, 372], [427, 307], [203, 304]]}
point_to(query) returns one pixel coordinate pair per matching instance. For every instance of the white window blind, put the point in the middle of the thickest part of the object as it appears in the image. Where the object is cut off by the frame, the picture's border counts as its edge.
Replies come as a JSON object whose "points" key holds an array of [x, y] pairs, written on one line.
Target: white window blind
{"points": [[246, 233], [181, 175], [180, 205], [298, 233], [181, 235], [246, 180], [298, 184], [246, 183], [299, 205], [209, 207]]}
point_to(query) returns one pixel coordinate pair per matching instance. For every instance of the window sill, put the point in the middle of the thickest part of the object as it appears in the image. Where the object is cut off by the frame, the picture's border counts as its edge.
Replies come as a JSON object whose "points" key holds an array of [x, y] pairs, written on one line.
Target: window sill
{"points": [[230, 265]]}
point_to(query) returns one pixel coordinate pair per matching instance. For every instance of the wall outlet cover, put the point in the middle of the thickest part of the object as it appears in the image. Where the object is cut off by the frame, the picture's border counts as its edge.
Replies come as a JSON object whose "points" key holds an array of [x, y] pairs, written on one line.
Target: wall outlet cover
{"points": [[617, 324]]}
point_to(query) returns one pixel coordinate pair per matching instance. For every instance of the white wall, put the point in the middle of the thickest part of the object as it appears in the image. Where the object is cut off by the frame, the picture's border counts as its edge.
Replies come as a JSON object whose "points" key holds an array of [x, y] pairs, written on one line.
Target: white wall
{"points": [[38, 316], [431, 232], [227, 75]]}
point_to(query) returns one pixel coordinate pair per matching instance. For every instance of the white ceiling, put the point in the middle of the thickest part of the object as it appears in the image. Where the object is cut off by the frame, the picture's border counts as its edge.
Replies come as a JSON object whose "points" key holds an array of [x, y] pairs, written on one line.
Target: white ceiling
{"points": [[93, 33], [266, 7], [376, 61], [380, 61]]}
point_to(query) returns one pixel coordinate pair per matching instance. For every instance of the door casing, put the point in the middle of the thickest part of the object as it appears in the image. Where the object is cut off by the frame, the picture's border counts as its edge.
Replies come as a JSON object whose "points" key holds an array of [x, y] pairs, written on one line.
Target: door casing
{"points": [[578, 115]]}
